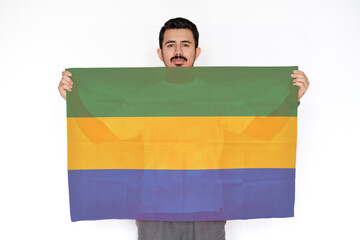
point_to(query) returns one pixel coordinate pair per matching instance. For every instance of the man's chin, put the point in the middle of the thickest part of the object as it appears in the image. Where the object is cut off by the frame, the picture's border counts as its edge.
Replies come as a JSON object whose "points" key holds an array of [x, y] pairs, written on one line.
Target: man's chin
{"points": [[177, 65], [174, 65]]}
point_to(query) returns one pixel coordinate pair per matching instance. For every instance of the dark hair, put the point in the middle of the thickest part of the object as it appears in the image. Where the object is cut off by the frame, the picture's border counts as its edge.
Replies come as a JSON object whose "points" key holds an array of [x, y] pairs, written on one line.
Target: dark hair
{"points": [[179, 23]]}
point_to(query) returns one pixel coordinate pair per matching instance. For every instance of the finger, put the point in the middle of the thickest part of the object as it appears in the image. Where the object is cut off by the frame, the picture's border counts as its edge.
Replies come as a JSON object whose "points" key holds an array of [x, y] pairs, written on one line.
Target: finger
{"points": [[295, 75], [64, 86], [66, 73], [300, 84], [65, 82], [301, 80], [68, 80], [298, 71]]}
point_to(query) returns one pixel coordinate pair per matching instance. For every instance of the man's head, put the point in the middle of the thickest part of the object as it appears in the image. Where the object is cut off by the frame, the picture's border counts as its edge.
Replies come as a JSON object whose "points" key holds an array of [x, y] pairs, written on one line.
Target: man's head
{"points": [[178, 40]]}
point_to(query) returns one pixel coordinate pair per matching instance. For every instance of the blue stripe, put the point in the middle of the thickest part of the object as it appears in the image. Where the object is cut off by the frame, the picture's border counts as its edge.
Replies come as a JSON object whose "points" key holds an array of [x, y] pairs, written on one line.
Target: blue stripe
{"points": [[181, 195]]}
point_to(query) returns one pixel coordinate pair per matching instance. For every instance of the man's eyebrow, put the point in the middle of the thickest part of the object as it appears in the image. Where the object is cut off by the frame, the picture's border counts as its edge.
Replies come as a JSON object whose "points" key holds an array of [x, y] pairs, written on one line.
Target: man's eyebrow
{"points": [[186, 41], [172, 41]]}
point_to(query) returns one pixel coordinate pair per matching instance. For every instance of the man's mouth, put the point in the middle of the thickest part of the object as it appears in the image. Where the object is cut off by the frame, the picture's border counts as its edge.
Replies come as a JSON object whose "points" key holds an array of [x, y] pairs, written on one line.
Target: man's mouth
{"points": [[178, 60]]}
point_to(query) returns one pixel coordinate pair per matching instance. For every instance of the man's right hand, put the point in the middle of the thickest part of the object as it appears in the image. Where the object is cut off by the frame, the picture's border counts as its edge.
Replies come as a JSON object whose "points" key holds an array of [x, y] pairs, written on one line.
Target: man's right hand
{"points": [[65, 84]]}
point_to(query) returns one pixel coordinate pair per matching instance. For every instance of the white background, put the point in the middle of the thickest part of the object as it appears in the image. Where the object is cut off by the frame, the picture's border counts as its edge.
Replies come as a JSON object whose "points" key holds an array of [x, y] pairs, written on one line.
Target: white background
{"points": [[39, 39]]}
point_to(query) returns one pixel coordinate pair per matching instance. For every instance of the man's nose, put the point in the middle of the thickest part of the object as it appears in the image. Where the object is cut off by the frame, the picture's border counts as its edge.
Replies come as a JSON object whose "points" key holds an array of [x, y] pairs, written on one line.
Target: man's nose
{"points": [[178, 50]]}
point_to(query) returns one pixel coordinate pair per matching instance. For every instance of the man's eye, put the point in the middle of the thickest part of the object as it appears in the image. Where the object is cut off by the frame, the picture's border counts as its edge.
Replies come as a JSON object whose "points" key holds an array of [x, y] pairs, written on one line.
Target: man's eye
{"points": [[186, 45], [170, 45]]}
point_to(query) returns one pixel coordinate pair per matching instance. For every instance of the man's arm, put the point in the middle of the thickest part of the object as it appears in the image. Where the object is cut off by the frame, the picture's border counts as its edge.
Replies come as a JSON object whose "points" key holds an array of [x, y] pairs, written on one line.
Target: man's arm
{"points": [[93, 128], [276, 125]]}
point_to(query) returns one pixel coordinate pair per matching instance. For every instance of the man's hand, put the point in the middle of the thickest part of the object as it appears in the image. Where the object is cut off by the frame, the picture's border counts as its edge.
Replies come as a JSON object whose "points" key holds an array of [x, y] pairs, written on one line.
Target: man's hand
{"points": [[65, 84], [302, 81]]}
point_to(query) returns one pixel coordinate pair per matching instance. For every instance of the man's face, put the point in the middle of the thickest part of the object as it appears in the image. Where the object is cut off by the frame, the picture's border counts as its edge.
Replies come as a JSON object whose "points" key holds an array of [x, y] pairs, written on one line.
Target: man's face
{"points": [[178, 48]]}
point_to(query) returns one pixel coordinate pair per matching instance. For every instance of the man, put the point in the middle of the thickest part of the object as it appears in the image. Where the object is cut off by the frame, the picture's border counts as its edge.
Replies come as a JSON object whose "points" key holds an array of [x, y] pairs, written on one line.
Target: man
{"points": [[178, 47]]}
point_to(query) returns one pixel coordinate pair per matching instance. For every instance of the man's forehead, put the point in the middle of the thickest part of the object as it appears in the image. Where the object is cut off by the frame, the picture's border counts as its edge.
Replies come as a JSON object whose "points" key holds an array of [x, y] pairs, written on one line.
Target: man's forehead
{"points": [[178, 35]]}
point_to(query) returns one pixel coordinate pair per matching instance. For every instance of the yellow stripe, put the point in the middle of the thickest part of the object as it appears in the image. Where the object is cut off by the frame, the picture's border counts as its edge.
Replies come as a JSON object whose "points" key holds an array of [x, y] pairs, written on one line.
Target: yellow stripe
{"points": [[181, 142]]}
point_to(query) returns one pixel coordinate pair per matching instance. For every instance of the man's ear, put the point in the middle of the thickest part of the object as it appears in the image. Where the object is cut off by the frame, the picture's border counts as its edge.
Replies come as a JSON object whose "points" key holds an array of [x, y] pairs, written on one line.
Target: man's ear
{"points": [[197, 52], [160, 54]]}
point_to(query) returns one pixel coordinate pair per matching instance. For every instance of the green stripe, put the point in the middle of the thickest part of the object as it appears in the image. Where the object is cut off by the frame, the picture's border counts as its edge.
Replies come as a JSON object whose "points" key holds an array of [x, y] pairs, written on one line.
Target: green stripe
{"points": [[185, 91]]}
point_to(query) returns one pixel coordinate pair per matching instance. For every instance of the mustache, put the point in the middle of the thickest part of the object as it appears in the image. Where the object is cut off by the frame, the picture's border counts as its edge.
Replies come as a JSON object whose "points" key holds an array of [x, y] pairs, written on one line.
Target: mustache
{"points": [[178, 57]]}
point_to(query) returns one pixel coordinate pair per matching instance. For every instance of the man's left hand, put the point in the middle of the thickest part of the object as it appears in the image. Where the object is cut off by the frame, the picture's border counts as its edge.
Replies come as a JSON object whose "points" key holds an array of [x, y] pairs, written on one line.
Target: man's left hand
{"points": [[302, 81]]}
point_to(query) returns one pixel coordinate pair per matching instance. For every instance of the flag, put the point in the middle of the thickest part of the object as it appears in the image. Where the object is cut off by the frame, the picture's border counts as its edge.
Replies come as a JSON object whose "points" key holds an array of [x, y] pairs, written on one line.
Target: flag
{"points": [[182, 144]]}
